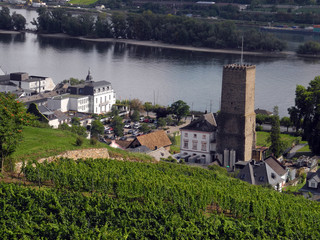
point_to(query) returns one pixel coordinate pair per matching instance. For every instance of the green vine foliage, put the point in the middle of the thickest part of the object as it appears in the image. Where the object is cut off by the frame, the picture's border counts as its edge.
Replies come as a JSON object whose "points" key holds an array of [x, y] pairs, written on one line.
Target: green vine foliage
{"points": [[108, 199]]}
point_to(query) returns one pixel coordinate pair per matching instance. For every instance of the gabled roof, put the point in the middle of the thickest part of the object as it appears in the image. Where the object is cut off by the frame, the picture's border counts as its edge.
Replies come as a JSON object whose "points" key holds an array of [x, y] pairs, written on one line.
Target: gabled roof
{"points": [[154, 140], [205, 123], [40, 96], [258, 173], [140, 149], [276, 166], [262, 111], [314, 175]]}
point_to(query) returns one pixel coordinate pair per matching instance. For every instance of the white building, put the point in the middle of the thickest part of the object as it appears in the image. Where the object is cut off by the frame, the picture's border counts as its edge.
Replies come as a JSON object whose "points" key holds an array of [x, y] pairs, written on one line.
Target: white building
{"points": [[198, 140], [89, 97], [21, 81]]}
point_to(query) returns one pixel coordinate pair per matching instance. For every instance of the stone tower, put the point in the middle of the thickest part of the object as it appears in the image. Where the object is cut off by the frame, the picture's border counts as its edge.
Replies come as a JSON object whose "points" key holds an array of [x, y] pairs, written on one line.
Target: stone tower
{"points": [[237, 119]]}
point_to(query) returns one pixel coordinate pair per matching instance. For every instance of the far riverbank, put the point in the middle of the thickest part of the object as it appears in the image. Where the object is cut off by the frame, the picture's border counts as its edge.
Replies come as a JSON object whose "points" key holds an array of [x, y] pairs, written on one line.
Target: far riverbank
{"points": [[173, 46]]}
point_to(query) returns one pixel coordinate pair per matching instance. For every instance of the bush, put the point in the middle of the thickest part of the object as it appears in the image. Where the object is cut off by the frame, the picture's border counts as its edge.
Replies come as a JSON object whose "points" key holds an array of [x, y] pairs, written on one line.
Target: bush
{"points": [[259, 128], [79, 141], [93, 141]]}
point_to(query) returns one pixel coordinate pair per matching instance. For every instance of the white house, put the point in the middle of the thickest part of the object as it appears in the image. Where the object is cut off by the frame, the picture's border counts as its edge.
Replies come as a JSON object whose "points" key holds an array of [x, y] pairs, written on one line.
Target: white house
{"points": [[29, 84], [198, 140], [89, 97]]}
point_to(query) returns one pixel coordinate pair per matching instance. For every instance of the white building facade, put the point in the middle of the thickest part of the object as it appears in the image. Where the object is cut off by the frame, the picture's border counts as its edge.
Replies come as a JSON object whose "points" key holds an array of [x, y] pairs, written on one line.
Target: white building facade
{"points": [[198, 140], [89, 97]]}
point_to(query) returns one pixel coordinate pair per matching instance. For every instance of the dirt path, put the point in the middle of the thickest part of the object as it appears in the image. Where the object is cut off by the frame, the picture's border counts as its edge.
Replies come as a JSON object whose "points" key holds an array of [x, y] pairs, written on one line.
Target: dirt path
{"points": [[75, 154]]}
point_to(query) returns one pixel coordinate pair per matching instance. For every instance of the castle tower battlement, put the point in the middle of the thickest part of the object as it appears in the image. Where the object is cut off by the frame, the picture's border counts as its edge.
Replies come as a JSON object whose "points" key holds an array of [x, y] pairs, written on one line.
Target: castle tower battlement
{"points": [[236, 120]]}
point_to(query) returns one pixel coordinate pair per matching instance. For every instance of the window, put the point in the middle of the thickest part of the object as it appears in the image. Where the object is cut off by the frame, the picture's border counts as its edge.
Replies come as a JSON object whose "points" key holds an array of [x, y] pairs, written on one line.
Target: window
{"points": [[186, 144], [100, 99], [96, 100], [203, 146], [105, 98], [186, 134], [194, 145], [204, 136], [313, 184], [195, 135], [109, 97]]}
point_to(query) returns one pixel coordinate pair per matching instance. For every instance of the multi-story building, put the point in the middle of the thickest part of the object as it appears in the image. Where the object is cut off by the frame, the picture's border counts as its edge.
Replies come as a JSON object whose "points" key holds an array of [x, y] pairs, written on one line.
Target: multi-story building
{"points": [[89, 97], [198, 140], [21, 81]]}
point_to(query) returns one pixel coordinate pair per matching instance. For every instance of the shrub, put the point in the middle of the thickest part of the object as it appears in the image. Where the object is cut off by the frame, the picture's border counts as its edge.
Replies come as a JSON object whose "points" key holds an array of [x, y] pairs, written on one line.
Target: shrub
{"points": [[93, 141], [79, 141], [259, 128]]}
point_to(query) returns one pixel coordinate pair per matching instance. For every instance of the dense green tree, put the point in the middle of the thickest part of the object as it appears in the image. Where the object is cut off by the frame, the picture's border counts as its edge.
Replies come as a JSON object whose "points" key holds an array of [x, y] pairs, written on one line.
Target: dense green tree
{"points": [[286, 122], [5, 19], [96, 128], [161, 112], [75, 121], [73, 81], [12, 118], [162, 122], [306, 113], [103, 27], [119, 25], [18, 21], [144, 128], [136, 104], [79, 130], [117, 125], [261, 118], [179, 109], [148, 107], [135, 116], [310, 47], [274, 138]]}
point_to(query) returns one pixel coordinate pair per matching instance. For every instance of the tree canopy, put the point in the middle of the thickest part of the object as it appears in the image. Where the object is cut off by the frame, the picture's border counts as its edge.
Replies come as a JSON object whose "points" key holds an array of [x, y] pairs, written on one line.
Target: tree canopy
{"points": [[306, 113], [12, 118], [14, 22], [180, 109]]}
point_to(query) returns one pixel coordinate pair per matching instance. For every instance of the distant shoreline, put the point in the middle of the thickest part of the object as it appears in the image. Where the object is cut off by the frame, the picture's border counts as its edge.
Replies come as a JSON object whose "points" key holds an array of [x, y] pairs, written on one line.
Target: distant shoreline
{"points": [[163, 45]]}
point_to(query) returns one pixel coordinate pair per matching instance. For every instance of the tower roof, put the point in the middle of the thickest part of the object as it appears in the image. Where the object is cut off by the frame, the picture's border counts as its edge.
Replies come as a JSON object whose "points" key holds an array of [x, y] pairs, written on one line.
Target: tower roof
{"points": [[89, 77]]}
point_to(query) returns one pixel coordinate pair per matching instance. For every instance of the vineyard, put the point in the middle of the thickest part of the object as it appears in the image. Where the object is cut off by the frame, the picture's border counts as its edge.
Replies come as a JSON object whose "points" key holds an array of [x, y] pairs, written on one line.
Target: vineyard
{"points": [[108, 199]]}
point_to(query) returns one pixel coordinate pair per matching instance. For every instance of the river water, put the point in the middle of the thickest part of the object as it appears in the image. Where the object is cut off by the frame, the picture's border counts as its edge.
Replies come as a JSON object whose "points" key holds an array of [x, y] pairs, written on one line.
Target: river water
{"points": [[154, 74]]}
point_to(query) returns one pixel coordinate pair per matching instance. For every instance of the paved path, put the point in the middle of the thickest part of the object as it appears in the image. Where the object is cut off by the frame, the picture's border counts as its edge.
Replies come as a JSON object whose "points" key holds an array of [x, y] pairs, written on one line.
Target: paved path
{"points": [[293, 151]]}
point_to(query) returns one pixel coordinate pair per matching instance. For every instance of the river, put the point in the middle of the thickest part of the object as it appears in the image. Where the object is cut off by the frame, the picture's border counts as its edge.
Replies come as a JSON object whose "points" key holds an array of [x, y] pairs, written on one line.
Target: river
{"points": [[152, 73]]}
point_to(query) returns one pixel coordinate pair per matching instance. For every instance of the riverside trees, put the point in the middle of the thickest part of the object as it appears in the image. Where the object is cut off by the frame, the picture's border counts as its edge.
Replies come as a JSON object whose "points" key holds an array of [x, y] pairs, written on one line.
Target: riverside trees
{"points": [[148, 26], [15, 22], [306, 113]]}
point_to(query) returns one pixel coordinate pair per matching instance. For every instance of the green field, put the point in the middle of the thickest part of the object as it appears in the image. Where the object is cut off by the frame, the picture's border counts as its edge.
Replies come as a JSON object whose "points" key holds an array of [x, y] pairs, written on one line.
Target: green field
{"points": [[83, 2], [45, 142], [288, 140]]}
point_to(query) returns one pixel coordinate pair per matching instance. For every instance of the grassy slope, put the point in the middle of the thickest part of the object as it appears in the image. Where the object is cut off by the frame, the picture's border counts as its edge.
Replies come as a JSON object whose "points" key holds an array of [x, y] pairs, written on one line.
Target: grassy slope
{"points": [[44, 142], [262, 139], [83, 2]]}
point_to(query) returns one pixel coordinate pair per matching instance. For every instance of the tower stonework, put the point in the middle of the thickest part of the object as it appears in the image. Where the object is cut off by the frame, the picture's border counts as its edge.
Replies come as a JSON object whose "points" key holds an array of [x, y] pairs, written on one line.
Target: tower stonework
{"points": [[237, 119]]}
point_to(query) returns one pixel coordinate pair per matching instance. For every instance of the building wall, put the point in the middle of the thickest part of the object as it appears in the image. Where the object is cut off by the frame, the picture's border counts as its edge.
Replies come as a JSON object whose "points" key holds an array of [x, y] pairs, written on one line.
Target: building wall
{"points": [[61, 104], [199, 143], [236, 120], [79, 104], [103, 101]]}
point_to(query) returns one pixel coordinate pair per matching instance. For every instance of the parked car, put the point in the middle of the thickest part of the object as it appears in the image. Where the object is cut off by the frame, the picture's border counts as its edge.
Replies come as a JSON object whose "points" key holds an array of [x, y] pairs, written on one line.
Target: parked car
{"points": [[123, 138], [136, 125], [127, 125], [108, 131], [130, 131]]}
